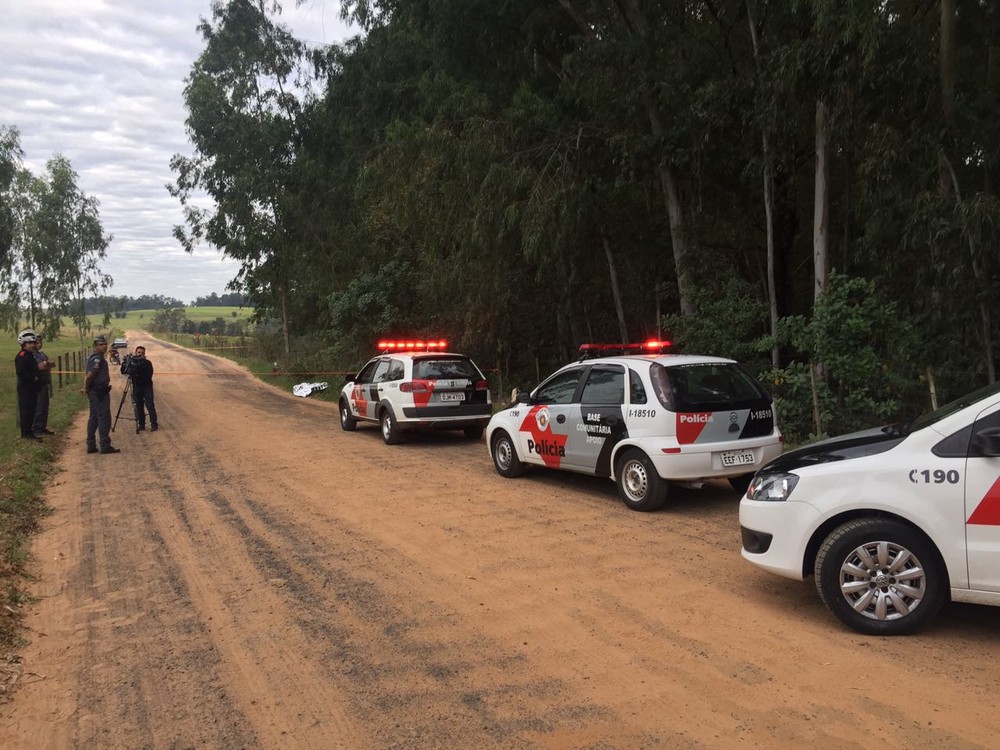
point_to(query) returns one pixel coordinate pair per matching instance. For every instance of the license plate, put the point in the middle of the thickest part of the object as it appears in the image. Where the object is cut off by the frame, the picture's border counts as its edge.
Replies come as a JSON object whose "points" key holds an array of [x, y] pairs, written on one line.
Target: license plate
{"points": [[737, 458], [452, 397]]}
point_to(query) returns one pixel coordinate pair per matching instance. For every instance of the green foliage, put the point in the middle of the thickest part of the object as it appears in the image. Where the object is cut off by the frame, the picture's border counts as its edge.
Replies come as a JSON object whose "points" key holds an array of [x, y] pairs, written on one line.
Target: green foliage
{"points": [[373, 306], [731, 322], [482, 170], [864, 348]]}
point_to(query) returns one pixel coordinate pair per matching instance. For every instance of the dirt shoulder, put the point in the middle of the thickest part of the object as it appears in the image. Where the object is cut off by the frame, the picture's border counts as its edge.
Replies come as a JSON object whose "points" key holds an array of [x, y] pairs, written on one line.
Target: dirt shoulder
{"points": [[250, 576]]}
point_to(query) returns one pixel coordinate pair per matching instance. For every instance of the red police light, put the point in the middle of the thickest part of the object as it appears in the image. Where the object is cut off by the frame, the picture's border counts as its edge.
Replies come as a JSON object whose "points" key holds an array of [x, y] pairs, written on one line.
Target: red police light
{"points": [[411, 346]]}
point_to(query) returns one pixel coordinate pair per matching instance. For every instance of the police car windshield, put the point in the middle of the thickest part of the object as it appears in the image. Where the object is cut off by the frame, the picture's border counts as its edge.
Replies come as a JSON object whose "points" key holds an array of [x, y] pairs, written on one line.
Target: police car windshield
{"points": [[451, 368], [948, 409], [706, 387]]}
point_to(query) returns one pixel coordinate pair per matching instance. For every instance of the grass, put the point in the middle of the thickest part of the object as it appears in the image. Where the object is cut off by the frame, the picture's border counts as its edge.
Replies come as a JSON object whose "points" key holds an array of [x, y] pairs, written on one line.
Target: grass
{"points": [[25, 469], [143, 318]]}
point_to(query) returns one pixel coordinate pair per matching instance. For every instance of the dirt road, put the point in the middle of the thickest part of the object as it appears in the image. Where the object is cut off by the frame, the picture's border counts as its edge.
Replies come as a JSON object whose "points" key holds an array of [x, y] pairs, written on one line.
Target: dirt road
{"points": [[250, 576]]}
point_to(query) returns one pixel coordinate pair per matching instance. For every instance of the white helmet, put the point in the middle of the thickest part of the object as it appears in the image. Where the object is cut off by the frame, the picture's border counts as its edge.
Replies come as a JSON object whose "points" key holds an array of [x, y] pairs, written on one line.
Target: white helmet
{"points": [[27, 336]]}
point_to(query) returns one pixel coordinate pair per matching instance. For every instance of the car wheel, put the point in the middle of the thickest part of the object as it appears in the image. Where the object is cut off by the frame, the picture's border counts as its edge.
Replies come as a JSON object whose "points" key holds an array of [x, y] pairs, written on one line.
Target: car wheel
{"points": [[347, 421], [741, 483], [639, 486], [387, 422], [880, 577], [473, 433], [505, 456]]}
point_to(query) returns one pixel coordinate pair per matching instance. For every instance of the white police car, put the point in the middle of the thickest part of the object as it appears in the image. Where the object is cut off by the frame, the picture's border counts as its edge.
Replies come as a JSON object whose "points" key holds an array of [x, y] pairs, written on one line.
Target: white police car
{"points": [[642, 420], [892, 521], [413, 385]]}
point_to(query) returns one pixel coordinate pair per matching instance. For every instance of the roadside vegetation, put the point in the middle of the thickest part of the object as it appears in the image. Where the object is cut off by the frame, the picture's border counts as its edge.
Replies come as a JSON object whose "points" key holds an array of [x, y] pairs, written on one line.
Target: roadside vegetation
{"points": [[26, 468]]}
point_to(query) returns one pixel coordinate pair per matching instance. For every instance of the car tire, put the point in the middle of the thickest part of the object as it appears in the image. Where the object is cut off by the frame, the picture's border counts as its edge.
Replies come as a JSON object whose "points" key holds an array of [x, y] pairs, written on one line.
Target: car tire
{"points": [[639, 486], [347, 421], [741, 483], [391, 434], [505, 458], [880, 577], [473, 433]]}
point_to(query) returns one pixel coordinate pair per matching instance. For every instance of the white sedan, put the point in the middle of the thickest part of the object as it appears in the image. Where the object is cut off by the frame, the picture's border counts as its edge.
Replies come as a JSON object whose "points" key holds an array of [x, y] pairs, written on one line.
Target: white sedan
{"points": [[893, 522]]}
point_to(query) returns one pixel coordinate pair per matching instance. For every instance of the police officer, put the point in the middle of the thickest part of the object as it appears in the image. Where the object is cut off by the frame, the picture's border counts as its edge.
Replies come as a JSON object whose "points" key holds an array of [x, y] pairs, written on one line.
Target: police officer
{"points": [[97, 386], [41, 424], [142, 390], [28, 378]]}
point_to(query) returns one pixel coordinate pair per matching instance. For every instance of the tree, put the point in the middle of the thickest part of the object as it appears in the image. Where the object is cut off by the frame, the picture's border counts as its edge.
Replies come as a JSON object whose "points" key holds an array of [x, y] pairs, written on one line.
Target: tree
{"points": [[67, 250], [243, 121], [10, 166]]}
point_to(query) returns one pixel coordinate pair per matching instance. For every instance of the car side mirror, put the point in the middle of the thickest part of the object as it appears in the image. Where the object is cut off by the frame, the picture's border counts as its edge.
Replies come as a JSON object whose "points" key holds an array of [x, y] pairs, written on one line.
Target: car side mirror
{"points": [[524, 397], [987, 442]]}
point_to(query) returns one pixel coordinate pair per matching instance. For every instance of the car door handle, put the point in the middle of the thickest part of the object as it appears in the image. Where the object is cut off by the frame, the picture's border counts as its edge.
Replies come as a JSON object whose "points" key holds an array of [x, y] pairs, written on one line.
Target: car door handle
{"points": [[560, 418]]}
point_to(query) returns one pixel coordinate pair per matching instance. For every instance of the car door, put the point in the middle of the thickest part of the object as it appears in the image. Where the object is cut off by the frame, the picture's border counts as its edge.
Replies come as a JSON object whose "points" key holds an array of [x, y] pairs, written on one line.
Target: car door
{"points": [[598, 425], [364, 395], [982, 504], [545, 429]]}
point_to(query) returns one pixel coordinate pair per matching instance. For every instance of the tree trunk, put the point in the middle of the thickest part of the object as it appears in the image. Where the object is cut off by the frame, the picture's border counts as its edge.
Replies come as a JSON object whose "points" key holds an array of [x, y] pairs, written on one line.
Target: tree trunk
{"points": [[614, 289], [283, 301], [634, 17], [679, 238], [946, 68], [821, 200], [765, 136], [948, 178]]}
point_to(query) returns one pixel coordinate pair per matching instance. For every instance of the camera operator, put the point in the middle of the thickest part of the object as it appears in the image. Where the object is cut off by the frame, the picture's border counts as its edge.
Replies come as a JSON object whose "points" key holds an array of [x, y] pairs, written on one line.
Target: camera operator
{"points": [[140, 370]]}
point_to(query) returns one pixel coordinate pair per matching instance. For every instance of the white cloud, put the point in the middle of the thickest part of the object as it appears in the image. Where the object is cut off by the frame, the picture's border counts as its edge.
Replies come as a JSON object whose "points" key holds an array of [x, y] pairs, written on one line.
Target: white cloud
{"points": [[101, 82]]}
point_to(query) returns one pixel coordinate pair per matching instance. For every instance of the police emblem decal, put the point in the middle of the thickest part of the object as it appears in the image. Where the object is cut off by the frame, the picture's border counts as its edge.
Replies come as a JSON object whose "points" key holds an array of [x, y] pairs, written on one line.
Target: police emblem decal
{"points": [[542, 419]]}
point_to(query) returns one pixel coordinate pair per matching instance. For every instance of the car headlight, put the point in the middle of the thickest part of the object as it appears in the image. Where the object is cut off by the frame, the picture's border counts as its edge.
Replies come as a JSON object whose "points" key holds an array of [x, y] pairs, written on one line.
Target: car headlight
{"points": [[776, 487]]}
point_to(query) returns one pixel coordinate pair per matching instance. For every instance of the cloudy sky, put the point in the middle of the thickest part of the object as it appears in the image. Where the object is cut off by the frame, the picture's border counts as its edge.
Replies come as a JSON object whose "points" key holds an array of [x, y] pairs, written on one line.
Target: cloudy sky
{"points": [[101, 82]]}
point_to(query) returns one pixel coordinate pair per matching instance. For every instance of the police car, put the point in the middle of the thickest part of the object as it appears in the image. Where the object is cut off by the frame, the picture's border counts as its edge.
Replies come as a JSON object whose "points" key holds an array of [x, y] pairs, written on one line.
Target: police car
{"points": [[642, 419], [892, 522], [417, 384]]}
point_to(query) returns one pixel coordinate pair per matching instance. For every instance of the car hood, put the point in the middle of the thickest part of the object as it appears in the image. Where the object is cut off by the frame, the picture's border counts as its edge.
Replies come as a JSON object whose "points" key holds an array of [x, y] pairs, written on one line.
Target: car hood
{"points": [[855, 445]]}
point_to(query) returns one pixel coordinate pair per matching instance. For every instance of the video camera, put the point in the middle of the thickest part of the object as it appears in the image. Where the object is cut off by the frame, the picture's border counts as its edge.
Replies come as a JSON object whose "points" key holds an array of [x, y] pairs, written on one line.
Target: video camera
{"points": [[128, 365]]}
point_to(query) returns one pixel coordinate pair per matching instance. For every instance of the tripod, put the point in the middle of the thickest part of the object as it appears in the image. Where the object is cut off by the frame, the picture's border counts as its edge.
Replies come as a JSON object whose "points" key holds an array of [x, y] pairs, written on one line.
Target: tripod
{"points": [[126, 392]]}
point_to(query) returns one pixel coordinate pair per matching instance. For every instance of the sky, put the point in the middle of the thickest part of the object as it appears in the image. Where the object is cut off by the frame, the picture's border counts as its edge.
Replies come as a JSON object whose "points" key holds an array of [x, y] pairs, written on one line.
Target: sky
{"points": [[101, 82]]}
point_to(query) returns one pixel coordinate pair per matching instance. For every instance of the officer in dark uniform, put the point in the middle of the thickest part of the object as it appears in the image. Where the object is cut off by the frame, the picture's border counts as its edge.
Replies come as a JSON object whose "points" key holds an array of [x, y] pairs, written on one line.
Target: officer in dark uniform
{"points": [[28, 379], [141, 372], [97, 386], [41, 425]]}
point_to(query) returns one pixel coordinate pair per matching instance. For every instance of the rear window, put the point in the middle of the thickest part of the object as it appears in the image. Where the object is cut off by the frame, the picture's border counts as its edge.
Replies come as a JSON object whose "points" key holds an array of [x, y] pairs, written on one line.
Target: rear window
{"points": [[449, 368], [714, 386]]}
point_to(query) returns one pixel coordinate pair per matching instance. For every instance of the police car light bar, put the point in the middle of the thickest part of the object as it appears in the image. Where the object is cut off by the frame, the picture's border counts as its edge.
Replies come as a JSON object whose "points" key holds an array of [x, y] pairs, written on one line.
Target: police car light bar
{"points": [[412, 346], [595, 350]]}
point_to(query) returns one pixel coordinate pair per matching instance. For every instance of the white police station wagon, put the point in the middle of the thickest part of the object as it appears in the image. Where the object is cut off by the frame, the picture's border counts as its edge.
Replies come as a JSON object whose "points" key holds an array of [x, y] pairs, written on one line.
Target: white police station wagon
{"points": [[417, 385], [642, 420], [892, 521]]}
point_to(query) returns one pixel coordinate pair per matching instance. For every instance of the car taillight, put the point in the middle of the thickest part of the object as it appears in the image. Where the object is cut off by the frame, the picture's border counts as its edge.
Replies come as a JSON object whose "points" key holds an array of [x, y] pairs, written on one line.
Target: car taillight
{"points": [[414, 386], [482, 385]]}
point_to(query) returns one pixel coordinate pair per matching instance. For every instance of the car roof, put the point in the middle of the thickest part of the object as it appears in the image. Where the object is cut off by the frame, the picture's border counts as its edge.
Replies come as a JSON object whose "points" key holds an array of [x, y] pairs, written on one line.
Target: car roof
{"points": [[419, 355], [667, 360]]}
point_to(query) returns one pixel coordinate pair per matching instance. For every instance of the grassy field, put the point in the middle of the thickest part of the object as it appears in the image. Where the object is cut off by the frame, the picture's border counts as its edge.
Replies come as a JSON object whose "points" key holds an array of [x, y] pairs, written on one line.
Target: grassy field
{"points": [[140, 318], [26, 467]]}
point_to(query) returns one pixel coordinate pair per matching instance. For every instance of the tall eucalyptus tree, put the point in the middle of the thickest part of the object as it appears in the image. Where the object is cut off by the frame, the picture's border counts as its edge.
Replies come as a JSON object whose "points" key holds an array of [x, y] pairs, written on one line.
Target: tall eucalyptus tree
{"points": [[243, 119], [10, 165], [68, 250]]}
